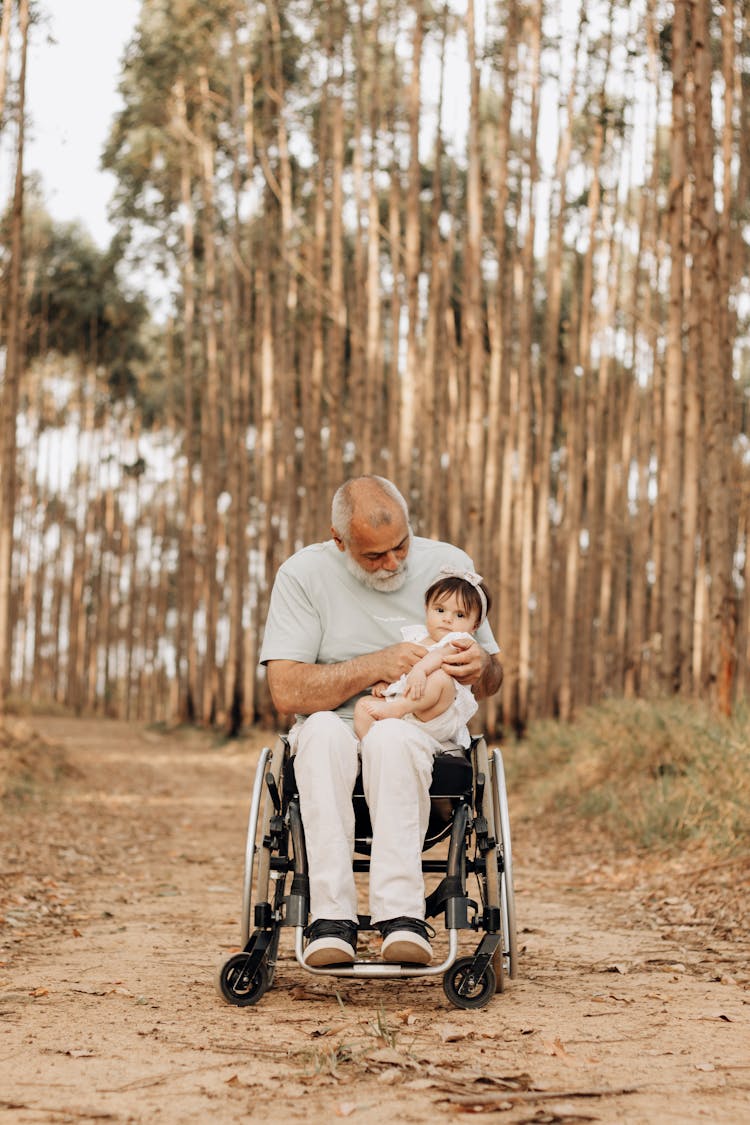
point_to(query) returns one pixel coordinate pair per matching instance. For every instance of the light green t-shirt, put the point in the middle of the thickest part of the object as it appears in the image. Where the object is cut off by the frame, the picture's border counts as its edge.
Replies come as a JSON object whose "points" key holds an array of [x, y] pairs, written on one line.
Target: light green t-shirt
{"points": [[321, 614]]}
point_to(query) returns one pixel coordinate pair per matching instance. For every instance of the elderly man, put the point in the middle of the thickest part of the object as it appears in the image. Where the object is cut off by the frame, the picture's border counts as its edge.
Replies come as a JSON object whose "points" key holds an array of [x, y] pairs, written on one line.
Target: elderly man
{"points": [[333, 631]]}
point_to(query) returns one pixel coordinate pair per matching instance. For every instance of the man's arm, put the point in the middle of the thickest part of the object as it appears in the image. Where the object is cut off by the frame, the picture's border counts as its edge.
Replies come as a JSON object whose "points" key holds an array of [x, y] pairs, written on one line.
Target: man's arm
{"points": [[297, 687], [491, 677]]}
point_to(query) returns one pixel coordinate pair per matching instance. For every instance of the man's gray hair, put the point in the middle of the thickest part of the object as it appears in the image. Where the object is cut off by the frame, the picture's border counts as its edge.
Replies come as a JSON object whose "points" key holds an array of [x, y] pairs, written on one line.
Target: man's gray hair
{"points": [[342, 506]]}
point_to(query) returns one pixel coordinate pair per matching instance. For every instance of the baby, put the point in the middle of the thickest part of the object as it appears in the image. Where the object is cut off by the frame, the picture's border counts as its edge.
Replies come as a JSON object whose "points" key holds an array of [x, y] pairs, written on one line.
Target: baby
{"points": [[456, 605]]}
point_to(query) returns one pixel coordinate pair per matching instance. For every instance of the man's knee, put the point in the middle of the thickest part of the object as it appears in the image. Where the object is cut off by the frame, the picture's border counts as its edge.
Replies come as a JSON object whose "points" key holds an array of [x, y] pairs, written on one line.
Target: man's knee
{"points": [[324, 735], [384, 736], [394, 742], [322, 724]]}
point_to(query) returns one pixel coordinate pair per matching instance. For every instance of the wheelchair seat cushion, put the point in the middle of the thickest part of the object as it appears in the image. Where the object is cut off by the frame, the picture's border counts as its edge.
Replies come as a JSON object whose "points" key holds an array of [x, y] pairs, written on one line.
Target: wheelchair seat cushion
{"points": [[452, 776]]}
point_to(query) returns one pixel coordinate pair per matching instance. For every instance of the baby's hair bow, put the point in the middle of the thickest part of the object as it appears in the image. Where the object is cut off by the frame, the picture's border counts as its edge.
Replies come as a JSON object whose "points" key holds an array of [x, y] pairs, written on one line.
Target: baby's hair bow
{"points": [[467, 575]]}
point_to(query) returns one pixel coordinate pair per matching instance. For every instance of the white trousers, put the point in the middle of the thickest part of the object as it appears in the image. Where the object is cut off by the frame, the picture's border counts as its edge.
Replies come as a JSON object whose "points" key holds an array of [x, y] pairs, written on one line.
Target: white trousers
{"points": [[396, 773]]}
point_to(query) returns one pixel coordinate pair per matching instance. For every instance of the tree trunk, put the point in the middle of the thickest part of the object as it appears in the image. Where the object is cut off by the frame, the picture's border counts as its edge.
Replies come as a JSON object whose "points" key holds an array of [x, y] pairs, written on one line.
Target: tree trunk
{"points": [[10, 389], [722, 616], [185, 655], [671, 478], [410, 377], [210, 450]]}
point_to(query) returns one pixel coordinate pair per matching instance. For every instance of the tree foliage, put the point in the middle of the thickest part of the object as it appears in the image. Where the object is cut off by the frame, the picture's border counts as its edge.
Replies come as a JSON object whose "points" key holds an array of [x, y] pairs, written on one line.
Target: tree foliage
{"points": [[496, 263]]}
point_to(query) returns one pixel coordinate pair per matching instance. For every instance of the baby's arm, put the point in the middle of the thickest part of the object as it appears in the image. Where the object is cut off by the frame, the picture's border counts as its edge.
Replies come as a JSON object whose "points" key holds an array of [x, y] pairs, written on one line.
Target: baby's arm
{"points": [[416, 679]]}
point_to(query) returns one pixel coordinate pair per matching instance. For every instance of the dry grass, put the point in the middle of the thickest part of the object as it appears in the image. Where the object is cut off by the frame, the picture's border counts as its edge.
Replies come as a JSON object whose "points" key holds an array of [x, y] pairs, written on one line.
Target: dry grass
{"points": [[651, 775], [29, 763]]}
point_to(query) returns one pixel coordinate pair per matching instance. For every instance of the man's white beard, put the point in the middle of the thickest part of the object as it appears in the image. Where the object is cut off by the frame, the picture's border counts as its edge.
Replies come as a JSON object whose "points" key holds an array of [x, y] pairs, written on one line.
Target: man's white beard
{"points": [[384, 581]]}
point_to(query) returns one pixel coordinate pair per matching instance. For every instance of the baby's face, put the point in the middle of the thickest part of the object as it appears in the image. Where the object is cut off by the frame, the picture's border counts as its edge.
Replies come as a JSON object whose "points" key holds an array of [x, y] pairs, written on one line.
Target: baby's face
{"points": [[447, 615]]}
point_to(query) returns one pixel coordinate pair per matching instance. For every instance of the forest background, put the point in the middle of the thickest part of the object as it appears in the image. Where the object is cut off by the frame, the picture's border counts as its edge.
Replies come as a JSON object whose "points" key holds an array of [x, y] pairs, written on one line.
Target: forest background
{"points": [[535, 323]]}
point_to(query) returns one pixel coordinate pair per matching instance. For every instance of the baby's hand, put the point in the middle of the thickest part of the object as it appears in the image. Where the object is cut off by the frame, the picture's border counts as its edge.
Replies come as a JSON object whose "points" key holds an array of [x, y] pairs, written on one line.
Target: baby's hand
{"points": [[415, 684], [378, 689]]}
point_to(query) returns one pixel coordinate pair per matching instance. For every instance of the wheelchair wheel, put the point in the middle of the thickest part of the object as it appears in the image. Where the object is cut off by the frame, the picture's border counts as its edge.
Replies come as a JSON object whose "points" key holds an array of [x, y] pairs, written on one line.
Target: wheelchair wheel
{"points": [[258, 828], [492, 889], [465, 989], [507, 896], [240, 987]]}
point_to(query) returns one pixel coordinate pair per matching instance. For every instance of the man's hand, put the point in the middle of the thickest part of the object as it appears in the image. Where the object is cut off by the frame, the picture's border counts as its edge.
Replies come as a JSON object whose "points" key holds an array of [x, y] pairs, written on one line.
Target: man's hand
{"points": [[470, 664], [396, 660], [464, 660]]}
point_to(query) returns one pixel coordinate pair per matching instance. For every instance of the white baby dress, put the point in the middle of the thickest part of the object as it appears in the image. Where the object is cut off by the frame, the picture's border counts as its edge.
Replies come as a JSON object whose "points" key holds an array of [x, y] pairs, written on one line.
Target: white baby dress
{"points": [[451, 727]]}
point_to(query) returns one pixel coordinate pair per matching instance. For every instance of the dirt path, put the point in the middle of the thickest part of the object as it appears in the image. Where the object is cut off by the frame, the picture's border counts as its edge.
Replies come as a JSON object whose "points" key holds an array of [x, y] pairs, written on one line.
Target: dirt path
{"points": [[120, 898]]}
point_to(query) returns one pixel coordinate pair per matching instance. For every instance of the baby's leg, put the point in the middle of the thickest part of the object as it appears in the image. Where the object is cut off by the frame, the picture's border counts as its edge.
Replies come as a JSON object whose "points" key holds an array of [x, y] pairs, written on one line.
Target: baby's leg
{"points": [[369, 710], [363, 720], [439, 693]]}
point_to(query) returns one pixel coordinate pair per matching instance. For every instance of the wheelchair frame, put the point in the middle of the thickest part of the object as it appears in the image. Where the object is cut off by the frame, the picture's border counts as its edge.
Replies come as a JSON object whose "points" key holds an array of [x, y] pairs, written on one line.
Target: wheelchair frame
{"points": [[275, 848]]}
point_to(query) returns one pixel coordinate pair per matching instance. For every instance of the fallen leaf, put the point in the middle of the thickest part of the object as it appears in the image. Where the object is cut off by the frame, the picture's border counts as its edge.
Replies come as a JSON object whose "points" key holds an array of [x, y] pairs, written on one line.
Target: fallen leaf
{"points": [[345, 1109], [80, 1054], [299, 992], [451, 1033], [332, 1029], [406, 1015], [388, 1055], [388, 1077], [559, 1050], [39, 992]]}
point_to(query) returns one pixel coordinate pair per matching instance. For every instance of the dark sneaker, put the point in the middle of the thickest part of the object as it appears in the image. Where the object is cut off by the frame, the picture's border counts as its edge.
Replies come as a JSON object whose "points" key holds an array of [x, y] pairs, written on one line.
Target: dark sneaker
{"points": [[405, 940], [330, 942]]}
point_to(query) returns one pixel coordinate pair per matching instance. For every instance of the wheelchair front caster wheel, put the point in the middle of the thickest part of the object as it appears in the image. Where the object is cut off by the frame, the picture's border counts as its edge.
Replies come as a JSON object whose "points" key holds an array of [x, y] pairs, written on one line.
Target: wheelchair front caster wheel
{"points": [[465, 989], [237, 986]]}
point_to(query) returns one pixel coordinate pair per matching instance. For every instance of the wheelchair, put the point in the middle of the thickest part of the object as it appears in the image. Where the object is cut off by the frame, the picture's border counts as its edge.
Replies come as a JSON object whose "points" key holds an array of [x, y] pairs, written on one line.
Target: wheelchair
{"points": [[468, 818]]}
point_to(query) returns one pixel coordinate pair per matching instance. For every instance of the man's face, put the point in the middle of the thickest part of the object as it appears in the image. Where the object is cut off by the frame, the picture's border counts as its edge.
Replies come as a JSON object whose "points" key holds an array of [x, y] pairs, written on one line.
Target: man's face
{"points": [[378, 556]]}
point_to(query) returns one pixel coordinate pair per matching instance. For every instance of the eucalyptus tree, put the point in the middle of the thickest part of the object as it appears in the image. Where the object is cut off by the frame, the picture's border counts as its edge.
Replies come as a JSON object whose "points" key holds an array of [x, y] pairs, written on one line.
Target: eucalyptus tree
{"points": [[518, 331], [169, 149], [11, 328]]}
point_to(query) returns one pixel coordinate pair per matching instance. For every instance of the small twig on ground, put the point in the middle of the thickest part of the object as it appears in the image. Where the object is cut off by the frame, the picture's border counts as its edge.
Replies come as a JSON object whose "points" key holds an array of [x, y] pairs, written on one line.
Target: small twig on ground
{"points": [[59, 1111], [157, 1079], [535, 1095]]}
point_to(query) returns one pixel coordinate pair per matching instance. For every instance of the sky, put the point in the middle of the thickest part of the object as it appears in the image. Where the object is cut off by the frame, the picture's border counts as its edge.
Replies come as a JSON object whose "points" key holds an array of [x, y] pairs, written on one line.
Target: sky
{"points": [[73, 73]]}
